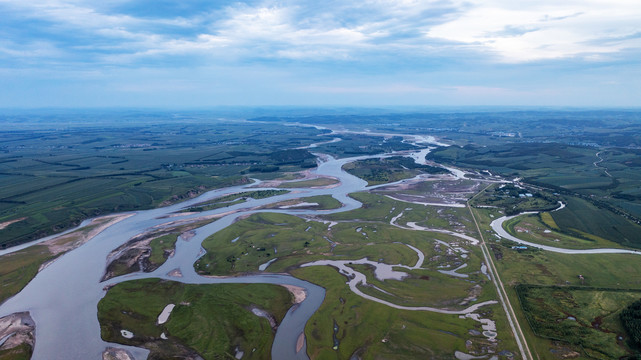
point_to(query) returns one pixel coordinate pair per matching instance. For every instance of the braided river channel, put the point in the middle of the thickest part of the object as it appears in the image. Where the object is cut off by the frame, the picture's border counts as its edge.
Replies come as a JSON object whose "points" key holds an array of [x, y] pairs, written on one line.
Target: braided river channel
{"points": [[62, 299]]}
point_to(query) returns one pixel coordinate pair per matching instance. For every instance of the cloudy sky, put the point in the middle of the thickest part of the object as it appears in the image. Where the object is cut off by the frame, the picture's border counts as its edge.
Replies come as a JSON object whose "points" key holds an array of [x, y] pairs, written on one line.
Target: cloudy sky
{"points": [[201, 53]]}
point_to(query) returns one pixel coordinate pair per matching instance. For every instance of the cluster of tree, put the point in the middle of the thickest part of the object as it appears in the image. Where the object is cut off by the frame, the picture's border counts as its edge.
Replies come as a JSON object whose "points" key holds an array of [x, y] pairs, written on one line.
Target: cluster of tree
{"points": [[631, 320], [292, 156], [409, 163]]}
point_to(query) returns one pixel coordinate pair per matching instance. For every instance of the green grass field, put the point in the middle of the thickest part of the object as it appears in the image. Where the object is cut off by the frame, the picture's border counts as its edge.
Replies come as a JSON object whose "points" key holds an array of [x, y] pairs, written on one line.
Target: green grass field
{"points": [[611, 184], [531, 228], [19, 268], [533, 267], [583, 219], [246, 244], [587, 318], [322, 202], [318, 182], [386, 170], [374, 331], [160, 247], [209, 320], [56, 178], [233, 199]]}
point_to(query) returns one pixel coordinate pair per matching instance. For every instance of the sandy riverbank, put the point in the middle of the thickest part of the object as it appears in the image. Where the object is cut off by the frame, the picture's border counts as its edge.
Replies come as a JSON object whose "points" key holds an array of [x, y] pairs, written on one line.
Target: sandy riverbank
{"points": [[298, 292], [73, 240]]}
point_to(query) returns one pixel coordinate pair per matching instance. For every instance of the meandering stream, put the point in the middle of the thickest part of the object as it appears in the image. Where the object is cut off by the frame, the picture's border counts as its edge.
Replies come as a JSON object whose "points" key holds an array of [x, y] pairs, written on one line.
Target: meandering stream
{"points": [[497, 226]]}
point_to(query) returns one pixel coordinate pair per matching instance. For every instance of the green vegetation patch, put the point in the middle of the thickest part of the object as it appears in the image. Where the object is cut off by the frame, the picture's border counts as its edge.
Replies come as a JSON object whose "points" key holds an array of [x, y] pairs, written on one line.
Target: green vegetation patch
{"points": [[161, 248], [514, 200], [585, 317], [548, 220], [357, 144], [580, 217], [20, 267], [246, 244], [311, 183], [348, 325], [319, 202], [58, 176], [607, 178], [210, 320], [381, 171], [145, 257], [531, 228], [375, 208], [631, 320], [534, 266], [233, 199], [20, 352], [379, 208], [420, 288]]}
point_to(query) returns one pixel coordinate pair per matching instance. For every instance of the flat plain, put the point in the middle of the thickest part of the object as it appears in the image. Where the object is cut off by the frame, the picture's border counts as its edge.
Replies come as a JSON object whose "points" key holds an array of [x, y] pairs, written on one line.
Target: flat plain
{"points": [[425, 287]]}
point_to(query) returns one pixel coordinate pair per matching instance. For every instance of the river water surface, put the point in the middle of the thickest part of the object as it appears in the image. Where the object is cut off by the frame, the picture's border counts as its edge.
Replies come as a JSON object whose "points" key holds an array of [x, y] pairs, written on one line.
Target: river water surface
{"points": [[63, 298]]}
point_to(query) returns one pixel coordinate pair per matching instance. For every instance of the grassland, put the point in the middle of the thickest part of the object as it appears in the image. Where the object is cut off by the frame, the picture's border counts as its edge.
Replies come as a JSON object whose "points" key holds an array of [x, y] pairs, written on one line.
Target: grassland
{"points": [[145, 255], [209, 320], [20, 267], [374, 331], [582, 219], [148, 251], [579, 225], [606, 177], [161, 248], [233, 199], [585, 317], [380, 208], [514, 200], [538, 267], [531, 228], [248, 243], [311, 183], [386, 170], [356, 144], [364, 327], [319, 202], [436, 289], [605, 273], [53, 179]]}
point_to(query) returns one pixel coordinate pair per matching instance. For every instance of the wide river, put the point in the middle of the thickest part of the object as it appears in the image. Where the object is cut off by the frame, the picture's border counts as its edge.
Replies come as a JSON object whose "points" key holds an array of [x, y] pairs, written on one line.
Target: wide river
{"points": [[63, 298]]}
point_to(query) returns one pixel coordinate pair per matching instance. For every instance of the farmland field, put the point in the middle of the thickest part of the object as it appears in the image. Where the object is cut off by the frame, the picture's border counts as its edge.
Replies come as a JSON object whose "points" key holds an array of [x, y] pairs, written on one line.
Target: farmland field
{"points": [[53, 179]]}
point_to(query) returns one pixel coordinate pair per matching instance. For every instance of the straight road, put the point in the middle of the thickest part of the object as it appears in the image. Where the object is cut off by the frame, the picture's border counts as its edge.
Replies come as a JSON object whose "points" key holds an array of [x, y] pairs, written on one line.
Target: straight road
{"points": [[505, 300]]}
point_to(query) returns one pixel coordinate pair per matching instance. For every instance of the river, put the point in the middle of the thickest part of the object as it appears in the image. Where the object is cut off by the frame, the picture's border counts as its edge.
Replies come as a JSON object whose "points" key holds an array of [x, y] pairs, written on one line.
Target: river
{"points": [[62, 299], [497, 226]]}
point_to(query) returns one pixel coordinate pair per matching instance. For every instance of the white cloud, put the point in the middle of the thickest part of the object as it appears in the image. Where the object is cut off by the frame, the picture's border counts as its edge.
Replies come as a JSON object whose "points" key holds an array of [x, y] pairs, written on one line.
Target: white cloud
{"points": [[503, 30], [556, 29]]}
